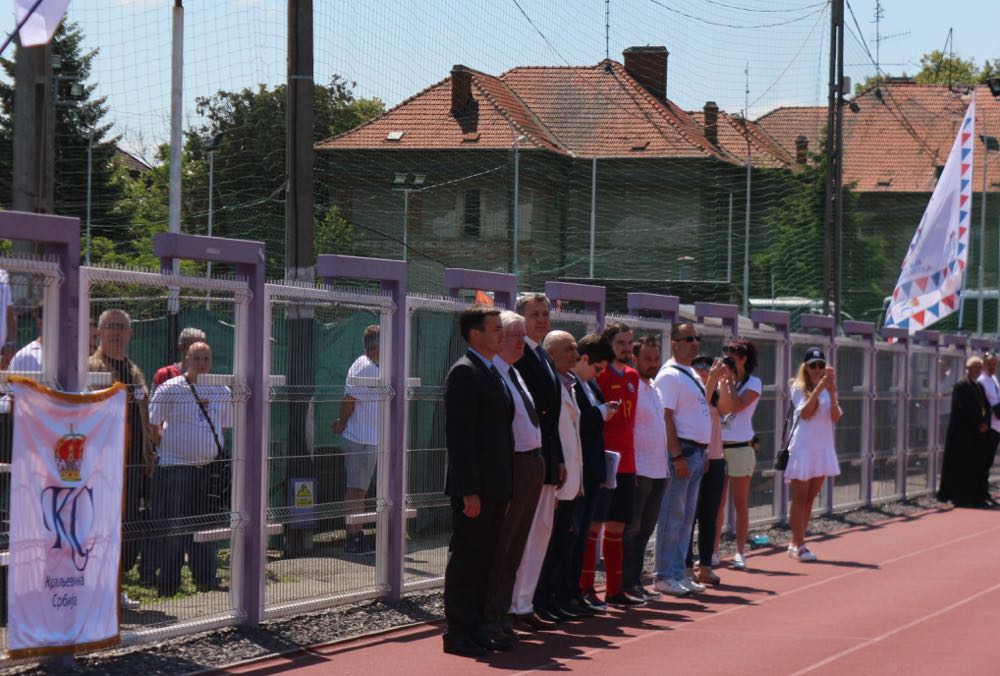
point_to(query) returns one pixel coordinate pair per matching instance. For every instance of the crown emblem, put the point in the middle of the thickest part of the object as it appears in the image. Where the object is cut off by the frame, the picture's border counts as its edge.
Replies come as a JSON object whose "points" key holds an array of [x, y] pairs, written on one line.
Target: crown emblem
{"points": [[69, 455]]}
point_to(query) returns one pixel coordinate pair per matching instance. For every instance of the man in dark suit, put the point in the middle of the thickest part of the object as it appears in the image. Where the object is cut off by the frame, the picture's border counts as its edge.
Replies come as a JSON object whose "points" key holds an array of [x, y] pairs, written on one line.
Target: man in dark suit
{"points": [[595, 355], [964, 446], [479, 411], [539, 375]]}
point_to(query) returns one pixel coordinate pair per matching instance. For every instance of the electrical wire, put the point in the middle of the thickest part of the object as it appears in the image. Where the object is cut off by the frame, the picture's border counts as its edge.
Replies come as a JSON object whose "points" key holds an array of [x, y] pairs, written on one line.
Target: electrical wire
{"points": [[729, 25]]}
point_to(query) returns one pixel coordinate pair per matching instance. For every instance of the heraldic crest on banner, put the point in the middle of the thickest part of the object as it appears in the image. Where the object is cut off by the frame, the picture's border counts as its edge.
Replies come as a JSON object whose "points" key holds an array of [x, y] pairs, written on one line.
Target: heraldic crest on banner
{"points": [[66, 519]]}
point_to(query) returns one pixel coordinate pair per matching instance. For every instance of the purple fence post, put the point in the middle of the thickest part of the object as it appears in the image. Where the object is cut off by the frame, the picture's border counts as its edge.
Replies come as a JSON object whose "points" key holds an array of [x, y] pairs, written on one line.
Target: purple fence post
{"points": [[866, 330], [981, 344], [60, 236], [248, 257], [502, 284], [592, 296], [391, 274], [782, 322], [903, 336], [728, 314], [668, 307]]}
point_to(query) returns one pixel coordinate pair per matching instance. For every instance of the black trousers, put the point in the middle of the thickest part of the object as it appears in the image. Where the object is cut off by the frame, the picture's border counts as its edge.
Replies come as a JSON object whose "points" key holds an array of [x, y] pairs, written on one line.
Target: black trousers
{"points": [[555, 583], [467, 576], [529, 472], [709, 499], [648, 500], [587, 506]]}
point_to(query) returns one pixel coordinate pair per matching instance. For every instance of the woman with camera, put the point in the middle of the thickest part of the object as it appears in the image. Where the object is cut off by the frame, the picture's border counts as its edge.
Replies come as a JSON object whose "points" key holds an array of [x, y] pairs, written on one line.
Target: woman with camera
{"points": [[812, 456], [743, 390]]}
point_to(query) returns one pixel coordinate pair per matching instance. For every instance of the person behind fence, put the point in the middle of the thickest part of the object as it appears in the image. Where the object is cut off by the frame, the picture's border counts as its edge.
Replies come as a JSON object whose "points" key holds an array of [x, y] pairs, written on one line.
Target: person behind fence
{"points": [[359, 424], [191, 417], [29, 357], [539, 375], [595, 354], [812, 453], [966, 441], [689, 431], [188, 337], [479, 437], [528, 473], [710, 492], [650, 467], [743, 389], [990, 384], [619, 382], [8, 321], [114, 330]]}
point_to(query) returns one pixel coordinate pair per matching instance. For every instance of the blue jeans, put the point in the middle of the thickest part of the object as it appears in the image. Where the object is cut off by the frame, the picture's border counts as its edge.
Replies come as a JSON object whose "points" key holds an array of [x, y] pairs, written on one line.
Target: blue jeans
{"points": [[673, 528]]}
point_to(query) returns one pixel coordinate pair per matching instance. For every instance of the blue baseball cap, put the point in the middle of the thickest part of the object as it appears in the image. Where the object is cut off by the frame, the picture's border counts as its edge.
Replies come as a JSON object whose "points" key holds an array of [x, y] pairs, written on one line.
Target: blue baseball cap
{"points": [[813, 354]]}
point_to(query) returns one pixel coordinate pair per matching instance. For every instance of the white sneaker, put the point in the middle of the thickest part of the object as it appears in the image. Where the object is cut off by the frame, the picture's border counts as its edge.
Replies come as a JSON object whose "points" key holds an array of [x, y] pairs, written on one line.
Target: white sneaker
{"points": [[792, 549], [803, 554], [671, 588], [739, 563], [715, 559], [692, 585]]}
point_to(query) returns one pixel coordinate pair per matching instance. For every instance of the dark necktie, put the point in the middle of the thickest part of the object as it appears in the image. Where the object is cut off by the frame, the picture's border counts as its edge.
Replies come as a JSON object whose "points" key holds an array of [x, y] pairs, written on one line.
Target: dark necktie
{"points": [[544, 358], [532, 414], [503, 385]]}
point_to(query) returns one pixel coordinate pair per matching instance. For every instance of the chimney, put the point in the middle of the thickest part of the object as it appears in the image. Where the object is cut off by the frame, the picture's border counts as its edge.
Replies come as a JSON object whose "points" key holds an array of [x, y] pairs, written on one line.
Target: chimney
{"points": [[801, 150], [461, 89], [648, 66], [711, 111]]}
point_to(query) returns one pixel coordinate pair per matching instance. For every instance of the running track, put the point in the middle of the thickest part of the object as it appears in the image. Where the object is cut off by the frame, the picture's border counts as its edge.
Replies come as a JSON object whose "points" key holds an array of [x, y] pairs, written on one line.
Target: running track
{"points": [[911, 595]]}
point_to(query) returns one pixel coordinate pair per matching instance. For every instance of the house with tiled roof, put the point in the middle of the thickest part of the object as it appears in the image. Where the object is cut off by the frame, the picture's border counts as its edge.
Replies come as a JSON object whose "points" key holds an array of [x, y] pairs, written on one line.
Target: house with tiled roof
{"points": [[896, 141], [592, 147]]}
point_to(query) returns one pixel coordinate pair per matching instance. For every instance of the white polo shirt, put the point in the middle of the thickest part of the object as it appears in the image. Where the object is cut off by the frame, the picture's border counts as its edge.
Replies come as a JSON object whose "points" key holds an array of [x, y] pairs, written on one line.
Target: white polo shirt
{"points": [[527, 437], [650, 434], [682, 391], [992, 388], [187, 436], [362, 379]]}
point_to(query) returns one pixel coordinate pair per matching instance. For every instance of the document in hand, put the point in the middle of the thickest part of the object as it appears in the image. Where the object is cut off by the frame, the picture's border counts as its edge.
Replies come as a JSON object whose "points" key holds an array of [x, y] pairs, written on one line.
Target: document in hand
{"points": [[611, 461]]}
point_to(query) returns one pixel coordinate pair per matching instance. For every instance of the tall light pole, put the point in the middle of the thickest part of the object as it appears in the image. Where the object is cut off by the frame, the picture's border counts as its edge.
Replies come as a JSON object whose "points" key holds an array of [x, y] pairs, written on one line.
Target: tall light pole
{"points": [[210, 147], [406, 184], [989, 143], [517, 202]]}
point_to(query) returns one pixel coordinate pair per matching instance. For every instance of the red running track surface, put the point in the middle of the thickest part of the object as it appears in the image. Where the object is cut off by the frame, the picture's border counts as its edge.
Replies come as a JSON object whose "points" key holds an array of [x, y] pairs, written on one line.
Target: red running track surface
{"points": [[911, 595]]}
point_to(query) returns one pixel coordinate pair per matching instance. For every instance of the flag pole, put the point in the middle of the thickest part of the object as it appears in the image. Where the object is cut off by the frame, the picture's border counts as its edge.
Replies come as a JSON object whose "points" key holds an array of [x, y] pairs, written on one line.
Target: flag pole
{"points": [[20, 25]]}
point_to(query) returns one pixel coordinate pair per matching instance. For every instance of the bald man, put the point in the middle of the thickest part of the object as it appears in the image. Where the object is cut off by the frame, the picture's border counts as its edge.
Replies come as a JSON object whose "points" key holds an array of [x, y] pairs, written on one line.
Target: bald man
{"points": [[964, 447]]}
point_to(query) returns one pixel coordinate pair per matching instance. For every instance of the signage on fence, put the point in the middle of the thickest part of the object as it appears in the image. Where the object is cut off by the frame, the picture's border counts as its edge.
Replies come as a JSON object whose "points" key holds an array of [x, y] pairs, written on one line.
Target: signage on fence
{"points": [[302, 496], [66, 519]]}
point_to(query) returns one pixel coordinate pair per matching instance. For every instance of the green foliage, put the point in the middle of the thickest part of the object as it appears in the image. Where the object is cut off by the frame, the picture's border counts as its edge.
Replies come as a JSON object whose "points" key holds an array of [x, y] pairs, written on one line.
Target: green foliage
{"points": [[793, 264], [936, 67], [334, 234]]}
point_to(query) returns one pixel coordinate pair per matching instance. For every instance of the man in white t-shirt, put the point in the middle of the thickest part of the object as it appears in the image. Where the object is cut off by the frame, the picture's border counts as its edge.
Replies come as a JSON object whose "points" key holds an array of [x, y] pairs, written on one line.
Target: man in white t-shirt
{"points": [[988, 379], [191, 417], [689, 431], [359, 425], [8, 321]]}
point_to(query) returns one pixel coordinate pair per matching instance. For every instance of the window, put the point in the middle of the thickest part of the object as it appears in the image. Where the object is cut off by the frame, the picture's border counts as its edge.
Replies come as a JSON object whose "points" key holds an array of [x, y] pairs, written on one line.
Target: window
{"points": [[471, 217]]}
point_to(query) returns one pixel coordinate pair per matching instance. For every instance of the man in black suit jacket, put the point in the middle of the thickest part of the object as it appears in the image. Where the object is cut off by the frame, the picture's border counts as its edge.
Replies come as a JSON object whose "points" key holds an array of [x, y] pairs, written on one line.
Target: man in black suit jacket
{"points": [[964, 446], [595, 355], [479, 411]]}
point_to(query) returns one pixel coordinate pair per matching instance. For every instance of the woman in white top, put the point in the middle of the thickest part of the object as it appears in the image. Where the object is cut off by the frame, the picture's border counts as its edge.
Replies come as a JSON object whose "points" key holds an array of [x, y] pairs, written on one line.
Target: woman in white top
{"points": [[743, 391], [812, 455]]}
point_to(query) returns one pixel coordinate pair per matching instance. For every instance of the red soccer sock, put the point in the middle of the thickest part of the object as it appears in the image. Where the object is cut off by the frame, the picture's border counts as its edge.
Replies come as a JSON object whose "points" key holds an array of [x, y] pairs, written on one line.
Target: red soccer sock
{"points": [[589, 563], [613, 563]]}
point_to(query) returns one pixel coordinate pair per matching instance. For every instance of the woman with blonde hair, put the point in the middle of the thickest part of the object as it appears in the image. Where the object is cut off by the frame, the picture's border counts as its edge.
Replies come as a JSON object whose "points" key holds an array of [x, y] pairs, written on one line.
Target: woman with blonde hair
{"points": [[812, 455]]}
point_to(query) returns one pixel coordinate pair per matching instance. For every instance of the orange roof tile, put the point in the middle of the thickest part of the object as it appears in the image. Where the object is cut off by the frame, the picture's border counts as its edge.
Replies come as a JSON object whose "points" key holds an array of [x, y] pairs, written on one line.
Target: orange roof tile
{"points": [[733, 131]]}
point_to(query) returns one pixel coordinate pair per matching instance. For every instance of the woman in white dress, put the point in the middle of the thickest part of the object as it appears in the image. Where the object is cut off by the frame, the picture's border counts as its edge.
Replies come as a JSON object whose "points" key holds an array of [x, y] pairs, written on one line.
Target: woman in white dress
{"points": [[812, 455]]}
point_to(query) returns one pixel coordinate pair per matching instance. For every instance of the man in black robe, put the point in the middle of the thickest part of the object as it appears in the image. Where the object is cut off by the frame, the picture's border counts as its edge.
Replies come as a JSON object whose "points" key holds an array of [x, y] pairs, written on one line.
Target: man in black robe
{"points": [[965, 444]]}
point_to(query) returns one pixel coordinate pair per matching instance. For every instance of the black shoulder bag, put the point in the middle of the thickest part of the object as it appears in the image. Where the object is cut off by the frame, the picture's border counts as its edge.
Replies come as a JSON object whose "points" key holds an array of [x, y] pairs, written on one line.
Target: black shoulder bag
{"points": [[219, 470], [781, 460]]}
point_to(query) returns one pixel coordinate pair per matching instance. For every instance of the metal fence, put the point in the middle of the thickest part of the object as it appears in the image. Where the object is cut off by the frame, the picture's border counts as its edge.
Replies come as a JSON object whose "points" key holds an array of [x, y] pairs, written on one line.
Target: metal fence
{"points": [[318, 541]]}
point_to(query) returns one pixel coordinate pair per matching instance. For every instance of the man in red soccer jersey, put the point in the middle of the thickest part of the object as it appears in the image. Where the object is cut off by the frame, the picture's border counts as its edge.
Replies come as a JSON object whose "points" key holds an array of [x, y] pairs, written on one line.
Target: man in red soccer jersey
{"points": [[619, 382]]}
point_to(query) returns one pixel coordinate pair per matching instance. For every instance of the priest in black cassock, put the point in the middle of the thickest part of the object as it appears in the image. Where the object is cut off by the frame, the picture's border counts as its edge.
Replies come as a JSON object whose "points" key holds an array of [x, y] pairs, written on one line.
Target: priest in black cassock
{"points": [[965, 444]]}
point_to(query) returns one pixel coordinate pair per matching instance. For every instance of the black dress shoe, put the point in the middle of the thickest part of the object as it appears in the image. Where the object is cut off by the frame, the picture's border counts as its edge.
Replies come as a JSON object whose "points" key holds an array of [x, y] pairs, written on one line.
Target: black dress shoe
{"points": [[565, 610], [547, 615], [625, 600], [578, 608], [463, 646], [593, 604], [494, 643], [532, 622]]}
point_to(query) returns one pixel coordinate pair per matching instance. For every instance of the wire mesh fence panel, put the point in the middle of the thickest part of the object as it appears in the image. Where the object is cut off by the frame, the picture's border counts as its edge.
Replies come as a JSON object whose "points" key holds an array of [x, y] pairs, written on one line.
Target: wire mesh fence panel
{"points": [[921, 408], [768, 421], [889, 434], [176, 343], [327, 449], [434, 344], [851, 432], [29, 309], [575, 322]]}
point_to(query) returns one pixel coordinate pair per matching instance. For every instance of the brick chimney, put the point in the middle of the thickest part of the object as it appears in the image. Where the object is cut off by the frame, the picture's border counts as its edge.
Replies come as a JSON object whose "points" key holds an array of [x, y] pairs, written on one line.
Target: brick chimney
{"points": [[711, 111], [801, 150], [648, 66], [461, 90]]}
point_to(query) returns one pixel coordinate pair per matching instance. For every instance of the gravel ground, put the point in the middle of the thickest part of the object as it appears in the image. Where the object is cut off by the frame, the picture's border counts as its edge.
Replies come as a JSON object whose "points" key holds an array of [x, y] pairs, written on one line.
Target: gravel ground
{"points": [[217, 648]]}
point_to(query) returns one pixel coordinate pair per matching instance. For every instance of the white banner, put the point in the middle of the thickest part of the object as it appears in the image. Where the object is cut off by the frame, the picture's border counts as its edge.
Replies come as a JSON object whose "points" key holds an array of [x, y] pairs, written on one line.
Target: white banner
{"points": [[66, 519]]}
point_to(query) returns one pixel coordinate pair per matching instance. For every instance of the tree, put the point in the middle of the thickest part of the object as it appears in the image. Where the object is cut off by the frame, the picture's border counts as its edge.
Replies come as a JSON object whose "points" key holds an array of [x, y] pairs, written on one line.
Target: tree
{"points": [[936, 67], [249, 165], [78, 122], [793, 264]]}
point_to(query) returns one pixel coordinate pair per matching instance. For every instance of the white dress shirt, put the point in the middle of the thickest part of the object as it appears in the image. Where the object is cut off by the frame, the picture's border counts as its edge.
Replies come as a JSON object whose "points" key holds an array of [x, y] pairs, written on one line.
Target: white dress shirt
{"points": [[527, 435], [992, 388], [650, 434]]}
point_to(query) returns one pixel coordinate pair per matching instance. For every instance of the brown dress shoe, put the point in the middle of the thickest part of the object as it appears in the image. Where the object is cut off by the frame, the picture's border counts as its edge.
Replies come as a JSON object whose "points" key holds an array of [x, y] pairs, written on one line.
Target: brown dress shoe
{"points": [[707, 576], [532, 622]]}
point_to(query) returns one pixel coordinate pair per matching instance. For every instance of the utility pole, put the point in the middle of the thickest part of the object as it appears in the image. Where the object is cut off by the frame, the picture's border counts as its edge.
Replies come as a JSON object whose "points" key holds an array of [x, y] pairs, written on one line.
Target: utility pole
{"points": [[834, 129], [300, 258], [838, 176]]}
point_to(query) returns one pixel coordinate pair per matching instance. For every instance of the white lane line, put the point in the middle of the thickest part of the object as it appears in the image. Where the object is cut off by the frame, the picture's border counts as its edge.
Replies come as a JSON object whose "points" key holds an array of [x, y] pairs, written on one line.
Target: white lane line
{"points": [[908, 625], [766, 599]]}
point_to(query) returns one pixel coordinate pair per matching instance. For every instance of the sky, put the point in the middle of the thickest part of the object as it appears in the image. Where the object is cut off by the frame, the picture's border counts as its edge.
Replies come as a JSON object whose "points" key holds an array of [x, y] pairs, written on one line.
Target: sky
{"points": [[719, 49]]}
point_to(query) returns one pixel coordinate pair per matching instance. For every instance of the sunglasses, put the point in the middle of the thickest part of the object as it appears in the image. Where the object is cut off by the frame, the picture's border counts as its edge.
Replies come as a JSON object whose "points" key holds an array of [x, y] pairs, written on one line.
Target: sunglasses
{"points": [[689, 339], [816, 365]]}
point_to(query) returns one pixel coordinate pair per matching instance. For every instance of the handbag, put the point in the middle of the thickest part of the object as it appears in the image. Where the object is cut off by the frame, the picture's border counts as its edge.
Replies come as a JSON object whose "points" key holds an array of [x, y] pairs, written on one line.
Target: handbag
{"points": [[781, 460], [219, 470]]}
